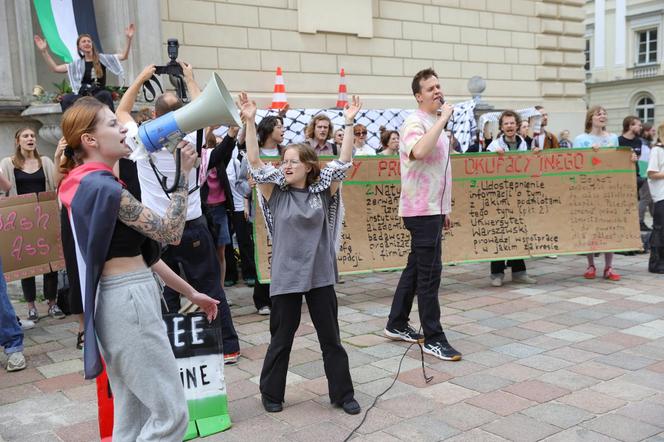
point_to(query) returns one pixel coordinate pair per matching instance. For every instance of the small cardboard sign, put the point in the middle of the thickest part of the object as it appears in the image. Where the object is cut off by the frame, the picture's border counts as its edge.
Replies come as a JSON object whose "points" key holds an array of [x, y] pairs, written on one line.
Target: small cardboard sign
{"points": [[30, 235], [197, 346]]}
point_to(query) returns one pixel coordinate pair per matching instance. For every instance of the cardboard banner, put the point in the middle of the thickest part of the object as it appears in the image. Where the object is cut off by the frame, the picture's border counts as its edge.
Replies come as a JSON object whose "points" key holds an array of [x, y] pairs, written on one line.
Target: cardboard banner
{"points": [[197, 346], [518, 205], [30, 235]]}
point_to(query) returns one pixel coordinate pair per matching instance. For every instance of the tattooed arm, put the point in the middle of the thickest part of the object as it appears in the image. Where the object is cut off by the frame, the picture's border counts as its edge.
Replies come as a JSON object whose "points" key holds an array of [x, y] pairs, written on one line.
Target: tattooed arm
{"points": [[169, 228], [165, 230]]}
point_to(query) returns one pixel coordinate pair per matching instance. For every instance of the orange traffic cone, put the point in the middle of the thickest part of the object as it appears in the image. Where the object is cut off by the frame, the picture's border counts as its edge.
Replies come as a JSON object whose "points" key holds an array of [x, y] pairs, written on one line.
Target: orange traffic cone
{"points": [[279, 96], [342, 100]]}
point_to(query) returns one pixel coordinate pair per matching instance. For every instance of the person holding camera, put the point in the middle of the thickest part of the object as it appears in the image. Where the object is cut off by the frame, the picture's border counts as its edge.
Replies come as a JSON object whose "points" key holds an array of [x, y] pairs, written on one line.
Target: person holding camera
{"points": [[87, 75], [196, 253]]}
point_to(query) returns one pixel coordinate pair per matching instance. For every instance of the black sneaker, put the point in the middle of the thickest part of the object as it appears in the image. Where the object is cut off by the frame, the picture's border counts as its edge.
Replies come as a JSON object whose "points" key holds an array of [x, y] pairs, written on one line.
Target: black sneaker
{"points": [[442, 350], [271, 406], [408, 334], [351, 407], [644, 227]]}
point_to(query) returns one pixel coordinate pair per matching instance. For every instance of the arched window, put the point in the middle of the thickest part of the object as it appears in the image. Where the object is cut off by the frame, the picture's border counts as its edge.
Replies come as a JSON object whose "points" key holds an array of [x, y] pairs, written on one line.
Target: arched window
{"points": [[645, 109]]}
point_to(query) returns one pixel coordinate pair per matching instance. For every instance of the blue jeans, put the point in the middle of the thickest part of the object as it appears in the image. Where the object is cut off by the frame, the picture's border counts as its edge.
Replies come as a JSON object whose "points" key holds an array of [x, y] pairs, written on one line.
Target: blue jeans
{"points": [[11, 335]]}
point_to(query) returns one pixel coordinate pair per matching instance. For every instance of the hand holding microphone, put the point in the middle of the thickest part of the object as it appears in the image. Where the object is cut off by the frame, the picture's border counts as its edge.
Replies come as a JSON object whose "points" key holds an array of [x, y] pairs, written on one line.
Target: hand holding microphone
{"points": [[445, 110]]}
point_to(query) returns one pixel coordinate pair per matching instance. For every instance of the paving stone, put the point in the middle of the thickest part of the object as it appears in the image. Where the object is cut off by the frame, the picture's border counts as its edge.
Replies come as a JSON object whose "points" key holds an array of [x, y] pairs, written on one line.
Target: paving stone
{"points": [[85, 393], [380, 386], [447, 393], [241, 389], [428, 427], [81, 432], [61, 368], [597, 370], [568, 380], [513, 372], [15, 394], [521, 428], [544, 363], [415, 377], [475, 435], [626, 391], [536, 390], [500, 402], [570, 335], [649, 412], [60, 383], [481, 382], [407, 406], [560, 415], [391, 365], [518, 350], [464, 416], [489, 358], [585, 300], [309, 370], [625, 360], [592, 401], [579, 434], [621, 427], [18, 377]]}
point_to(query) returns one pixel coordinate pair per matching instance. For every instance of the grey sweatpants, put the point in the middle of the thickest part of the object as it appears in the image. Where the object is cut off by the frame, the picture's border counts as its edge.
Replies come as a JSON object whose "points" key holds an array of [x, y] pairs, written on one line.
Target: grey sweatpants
{"points": [[149, 401]]}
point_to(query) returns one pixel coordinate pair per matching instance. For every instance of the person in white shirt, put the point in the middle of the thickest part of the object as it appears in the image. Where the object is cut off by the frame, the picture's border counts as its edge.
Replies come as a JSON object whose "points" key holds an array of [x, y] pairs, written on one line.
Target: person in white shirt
{"points": [[359, 141], [656, 184], [196, 252]]}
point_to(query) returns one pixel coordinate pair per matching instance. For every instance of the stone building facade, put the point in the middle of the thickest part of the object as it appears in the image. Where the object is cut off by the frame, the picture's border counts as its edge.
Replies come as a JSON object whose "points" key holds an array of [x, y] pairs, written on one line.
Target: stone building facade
{"points": [[624, 70], [528, 51]]}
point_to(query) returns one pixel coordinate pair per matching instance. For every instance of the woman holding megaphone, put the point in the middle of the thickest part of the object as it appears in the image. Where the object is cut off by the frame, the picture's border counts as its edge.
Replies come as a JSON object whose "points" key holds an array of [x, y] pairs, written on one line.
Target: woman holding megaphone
{"points": [[121, 299], [302, 208]]}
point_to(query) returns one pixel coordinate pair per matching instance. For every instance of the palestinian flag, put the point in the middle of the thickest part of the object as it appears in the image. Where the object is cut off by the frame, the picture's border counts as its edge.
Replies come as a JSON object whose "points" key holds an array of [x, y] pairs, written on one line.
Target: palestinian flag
{"points": [[62, 21], [90, 194]]}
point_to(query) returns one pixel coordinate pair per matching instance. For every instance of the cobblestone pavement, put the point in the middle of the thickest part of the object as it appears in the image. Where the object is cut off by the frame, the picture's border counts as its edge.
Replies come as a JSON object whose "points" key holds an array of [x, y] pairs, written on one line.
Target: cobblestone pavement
{"points": [[566, 359]]}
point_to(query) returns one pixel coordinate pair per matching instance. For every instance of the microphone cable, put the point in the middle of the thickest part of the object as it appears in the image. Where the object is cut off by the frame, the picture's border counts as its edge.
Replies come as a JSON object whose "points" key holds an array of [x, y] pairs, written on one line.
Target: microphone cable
{"points": [[438, 243]]}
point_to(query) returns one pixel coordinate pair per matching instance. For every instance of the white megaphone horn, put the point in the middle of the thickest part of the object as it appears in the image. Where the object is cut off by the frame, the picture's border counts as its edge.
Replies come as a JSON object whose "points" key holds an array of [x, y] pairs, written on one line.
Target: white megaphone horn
{"points": [[213, 106]]}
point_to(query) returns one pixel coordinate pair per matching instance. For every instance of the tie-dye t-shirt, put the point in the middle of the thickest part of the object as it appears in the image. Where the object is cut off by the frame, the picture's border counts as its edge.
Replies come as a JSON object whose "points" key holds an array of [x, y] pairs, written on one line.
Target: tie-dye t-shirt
{"points": [[424, 181]]}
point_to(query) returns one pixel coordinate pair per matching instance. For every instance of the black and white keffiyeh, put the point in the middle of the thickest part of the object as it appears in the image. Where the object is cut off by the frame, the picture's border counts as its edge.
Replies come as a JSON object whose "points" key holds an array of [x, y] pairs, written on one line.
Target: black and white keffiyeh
{"points": [[333, 171]]}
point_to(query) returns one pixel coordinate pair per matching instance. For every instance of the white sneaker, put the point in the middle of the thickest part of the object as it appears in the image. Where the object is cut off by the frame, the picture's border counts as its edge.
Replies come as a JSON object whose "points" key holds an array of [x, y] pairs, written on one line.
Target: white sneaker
{"points": [[265, 310], [523, 279], [16, 361], [25, 324], [497, 282]]}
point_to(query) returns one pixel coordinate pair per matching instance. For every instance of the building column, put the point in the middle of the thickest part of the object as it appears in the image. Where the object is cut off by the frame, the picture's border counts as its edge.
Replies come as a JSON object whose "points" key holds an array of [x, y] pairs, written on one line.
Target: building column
{"points": [[17, 60], [599, 50], [621, 25]]}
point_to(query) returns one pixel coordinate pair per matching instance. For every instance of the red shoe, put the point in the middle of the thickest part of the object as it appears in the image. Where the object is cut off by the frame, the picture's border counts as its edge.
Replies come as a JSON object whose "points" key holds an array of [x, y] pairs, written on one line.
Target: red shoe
{"points": [[231, 358], [611, 275], [591, 272]]}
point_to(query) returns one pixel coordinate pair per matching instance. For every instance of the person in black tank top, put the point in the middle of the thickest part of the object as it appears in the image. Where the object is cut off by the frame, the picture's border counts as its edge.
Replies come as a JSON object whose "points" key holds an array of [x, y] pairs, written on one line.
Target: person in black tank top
{"points": [[28, 172]]}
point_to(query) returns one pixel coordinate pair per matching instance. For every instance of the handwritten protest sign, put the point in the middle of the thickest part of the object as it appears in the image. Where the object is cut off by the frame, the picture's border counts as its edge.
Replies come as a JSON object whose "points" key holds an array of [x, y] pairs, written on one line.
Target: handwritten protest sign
{"points": [[518, 205], [197, 346], [30, 235]]}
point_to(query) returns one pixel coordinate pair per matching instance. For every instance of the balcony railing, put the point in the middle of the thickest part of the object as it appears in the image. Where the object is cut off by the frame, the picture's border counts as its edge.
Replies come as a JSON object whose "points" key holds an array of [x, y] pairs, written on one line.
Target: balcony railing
{"points": [[645, 71]]}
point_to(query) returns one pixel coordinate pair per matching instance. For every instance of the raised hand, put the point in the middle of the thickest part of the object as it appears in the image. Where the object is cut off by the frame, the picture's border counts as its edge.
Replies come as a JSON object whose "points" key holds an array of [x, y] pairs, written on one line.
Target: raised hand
{"points": [[282, 112], [351, 109], [247, 108], [147, 73], [41, 43], [187, 69], [129, 31]]}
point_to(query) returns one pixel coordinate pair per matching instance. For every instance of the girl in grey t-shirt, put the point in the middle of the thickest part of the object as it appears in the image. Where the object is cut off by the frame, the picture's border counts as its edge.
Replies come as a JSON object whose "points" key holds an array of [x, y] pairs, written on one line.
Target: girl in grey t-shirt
{"points": [[302, 210]]}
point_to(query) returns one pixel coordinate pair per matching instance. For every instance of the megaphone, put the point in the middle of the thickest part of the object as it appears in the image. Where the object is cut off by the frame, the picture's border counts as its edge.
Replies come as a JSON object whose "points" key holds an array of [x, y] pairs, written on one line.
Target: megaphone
{"points": [[214, 106]]}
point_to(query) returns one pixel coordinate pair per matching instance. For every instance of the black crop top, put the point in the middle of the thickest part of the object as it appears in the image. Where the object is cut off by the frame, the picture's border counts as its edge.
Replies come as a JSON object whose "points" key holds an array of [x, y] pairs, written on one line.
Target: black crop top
{"points": [[125, 242]]}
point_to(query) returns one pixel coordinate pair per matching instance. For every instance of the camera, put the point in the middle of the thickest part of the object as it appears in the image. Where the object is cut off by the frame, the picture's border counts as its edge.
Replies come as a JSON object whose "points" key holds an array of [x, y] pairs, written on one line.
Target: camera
{"points": [[173, 67]]}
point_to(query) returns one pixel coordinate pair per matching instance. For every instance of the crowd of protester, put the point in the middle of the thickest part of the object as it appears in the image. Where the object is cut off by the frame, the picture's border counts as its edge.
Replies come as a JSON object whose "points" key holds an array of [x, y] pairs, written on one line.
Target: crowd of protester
{"points": [[211, 211]]}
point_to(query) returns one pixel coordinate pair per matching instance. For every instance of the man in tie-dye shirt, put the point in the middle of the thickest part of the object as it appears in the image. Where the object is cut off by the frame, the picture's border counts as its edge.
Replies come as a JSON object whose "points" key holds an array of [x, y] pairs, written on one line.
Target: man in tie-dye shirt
{"points": [[425, 204]]}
